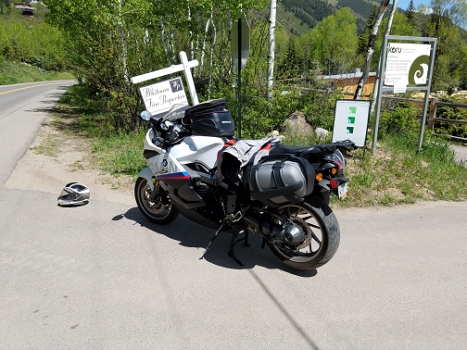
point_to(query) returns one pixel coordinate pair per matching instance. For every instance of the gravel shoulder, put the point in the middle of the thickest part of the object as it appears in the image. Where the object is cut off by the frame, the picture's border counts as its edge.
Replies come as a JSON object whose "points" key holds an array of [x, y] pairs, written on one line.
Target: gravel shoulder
{"points": [[55, 159]]}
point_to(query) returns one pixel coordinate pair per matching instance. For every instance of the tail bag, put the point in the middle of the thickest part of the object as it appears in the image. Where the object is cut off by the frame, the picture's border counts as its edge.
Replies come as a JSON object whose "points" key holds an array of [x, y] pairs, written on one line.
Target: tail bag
{"points": [[210, 118]]}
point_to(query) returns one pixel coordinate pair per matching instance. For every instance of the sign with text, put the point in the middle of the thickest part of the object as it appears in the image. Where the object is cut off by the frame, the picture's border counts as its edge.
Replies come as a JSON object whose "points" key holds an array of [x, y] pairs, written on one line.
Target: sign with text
{"points": [[160, 97], [407, 64], [351, 121]]}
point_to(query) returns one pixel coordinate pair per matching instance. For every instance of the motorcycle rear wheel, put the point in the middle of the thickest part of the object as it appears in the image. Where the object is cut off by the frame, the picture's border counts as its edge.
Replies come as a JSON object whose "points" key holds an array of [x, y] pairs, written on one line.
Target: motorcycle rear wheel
{"points": [[322, 235], [156, 210]]}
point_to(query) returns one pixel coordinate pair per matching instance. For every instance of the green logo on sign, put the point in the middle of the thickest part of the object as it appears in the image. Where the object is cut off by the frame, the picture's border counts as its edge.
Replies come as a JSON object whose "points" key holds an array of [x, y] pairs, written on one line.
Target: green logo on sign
{"points": [[419, 70], [353, 110]]}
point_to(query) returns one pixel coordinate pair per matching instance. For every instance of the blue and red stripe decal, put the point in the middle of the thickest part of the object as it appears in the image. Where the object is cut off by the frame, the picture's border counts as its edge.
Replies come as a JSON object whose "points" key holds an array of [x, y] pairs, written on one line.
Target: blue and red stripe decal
{"points": [[174, 176]]}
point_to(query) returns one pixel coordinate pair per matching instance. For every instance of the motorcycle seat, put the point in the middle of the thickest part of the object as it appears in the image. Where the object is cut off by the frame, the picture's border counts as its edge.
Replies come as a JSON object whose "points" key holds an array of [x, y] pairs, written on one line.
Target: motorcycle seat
{"points": [[293, 150]]}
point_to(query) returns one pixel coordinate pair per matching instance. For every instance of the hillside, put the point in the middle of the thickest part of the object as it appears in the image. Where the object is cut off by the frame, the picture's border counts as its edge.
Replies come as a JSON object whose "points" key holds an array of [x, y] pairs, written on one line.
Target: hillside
{"points": [[308, 13]]}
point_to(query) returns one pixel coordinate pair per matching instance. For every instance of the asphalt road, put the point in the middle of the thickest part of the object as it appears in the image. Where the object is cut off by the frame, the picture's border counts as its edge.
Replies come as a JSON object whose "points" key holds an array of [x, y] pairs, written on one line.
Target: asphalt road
{"points": [[23, 108], [102, 277]]}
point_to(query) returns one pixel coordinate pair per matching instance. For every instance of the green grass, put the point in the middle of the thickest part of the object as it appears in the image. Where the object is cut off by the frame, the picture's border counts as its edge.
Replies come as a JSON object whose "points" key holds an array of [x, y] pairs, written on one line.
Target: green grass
{"points": [[17, 72], [114, 152], [120, 154], [396, 173]]}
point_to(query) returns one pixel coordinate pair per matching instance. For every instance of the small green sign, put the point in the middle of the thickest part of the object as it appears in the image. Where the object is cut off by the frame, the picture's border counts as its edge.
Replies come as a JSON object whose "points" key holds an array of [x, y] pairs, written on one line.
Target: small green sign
{"points": [[353, 110], [351, 120]]}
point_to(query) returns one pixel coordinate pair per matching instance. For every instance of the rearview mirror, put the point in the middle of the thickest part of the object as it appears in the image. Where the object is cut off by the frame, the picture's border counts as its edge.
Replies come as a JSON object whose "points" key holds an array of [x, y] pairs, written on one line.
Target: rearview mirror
{"points": [[145, 115]]}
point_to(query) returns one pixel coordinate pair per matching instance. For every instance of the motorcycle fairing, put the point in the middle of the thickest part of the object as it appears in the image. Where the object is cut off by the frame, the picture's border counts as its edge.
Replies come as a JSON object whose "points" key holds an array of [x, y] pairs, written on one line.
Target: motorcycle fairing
{"points": [[200, 149], [183, 193], [165, 166], [178, 180]]}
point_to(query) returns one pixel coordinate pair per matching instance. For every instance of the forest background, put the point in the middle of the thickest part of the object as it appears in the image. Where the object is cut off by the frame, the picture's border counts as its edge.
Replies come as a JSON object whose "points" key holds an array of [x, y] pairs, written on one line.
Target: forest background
{"points": [[104, 43]]}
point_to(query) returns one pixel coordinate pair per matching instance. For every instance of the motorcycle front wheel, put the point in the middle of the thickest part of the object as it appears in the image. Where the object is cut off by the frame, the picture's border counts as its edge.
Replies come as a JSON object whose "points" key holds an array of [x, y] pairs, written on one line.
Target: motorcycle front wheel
{"points": [[157, 208], [322, 234]]}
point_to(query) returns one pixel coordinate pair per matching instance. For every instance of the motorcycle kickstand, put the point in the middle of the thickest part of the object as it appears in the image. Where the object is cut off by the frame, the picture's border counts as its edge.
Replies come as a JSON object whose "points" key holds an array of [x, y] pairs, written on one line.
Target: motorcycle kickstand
{"points": [[212, 239], [233, 241]]}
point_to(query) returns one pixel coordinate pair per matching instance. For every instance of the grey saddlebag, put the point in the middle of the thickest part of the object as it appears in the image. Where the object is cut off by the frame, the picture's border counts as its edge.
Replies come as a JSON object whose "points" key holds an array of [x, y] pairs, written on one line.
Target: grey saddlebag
{"points": [[276, 181]]}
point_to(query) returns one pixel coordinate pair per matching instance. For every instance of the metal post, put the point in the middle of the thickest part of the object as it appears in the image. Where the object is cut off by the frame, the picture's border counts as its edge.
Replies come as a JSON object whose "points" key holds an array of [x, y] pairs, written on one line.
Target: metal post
{"points": [[427, 95], [380, 92], [239, 84]]}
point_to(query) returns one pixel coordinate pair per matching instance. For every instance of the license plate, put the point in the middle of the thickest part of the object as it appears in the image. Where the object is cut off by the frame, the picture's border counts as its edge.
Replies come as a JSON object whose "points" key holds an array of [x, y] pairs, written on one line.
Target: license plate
{"points": [[343, 191]]}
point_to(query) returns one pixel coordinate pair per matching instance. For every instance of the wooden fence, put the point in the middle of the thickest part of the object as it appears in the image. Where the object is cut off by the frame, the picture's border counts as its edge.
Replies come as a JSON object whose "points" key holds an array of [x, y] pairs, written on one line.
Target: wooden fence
{"points": [[433, 107]]}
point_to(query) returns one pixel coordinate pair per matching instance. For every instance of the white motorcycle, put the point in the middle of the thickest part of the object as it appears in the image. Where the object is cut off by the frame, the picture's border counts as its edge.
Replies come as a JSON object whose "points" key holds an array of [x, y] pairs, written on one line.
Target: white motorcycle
{"points": [[197, 168]]}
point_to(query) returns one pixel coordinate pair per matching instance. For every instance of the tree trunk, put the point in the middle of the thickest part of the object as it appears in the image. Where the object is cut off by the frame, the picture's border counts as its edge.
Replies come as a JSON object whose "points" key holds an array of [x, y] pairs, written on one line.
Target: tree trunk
{"points": [[391, 18], [122, 35], [212, 51], [203, 48], [272, 27], [388, 32], [192, 53], [370, 49]]}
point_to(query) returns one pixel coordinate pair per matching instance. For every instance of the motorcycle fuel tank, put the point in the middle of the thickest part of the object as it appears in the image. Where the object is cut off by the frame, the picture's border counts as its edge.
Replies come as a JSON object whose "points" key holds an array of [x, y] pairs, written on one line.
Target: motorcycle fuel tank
{"points": [[203, 149]]}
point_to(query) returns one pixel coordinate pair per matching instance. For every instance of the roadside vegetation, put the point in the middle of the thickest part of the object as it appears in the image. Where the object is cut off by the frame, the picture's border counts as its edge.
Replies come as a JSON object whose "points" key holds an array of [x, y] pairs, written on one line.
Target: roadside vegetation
{"points": [[103, 46], [395, 174], [30, 49], [18, 72]]}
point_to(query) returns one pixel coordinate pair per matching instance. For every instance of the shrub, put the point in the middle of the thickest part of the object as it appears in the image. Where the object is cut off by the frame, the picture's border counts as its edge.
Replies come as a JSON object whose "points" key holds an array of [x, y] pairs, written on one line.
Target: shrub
{"points": [[401, 120], [448, 112]]}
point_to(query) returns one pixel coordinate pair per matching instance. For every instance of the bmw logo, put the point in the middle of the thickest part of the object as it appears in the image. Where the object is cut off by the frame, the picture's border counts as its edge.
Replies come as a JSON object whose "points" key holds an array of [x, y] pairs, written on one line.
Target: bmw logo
{"points": [[164, 163]]}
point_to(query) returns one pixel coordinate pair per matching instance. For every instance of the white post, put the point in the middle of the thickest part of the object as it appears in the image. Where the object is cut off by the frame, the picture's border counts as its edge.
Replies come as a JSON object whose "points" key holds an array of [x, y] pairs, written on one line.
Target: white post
{"points": [[189, 78]]}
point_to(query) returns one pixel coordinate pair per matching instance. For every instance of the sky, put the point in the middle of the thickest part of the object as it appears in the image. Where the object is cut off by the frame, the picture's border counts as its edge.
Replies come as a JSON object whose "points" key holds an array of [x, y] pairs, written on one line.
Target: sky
{"points": [[403, 4]]}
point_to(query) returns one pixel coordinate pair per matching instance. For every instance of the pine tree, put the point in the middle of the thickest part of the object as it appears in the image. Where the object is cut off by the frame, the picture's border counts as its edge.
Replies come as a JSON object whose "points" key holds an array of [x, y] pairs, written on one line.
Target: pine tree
{"points": [[363, 38], [410, 12]]}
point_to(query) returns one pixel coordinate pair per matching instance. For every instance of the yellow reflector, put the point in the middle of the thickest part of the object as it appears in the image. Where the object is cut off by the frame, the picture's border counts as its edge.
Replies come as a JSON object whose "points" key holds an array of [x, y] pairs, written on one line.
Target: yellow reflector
{"points": [[333, 171], [319, 177]]}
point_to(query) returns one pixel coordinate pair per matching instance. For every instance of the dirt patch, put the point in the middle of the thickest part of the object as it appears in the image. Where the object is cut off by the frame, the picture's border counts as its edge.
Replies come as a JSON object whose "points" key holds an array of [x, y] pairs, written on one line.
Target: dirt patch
{"points": [[56, 158]]}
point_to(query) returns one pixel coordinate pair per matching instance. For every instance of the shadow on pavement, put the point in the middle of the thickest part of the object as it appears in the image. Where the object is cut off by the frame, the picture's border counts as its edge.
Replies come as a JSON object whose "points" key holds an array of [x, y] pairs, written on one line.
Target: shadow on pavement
{"points": [[190, 234]]}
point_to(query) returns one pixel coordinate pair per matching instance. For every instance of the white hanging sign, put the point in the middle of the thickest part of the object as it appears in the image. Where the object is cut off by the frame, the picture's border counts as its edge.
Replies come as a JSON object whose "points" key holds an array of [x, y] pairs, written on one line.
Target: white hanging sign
{"points": [[351, 121], [160, 97]]}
